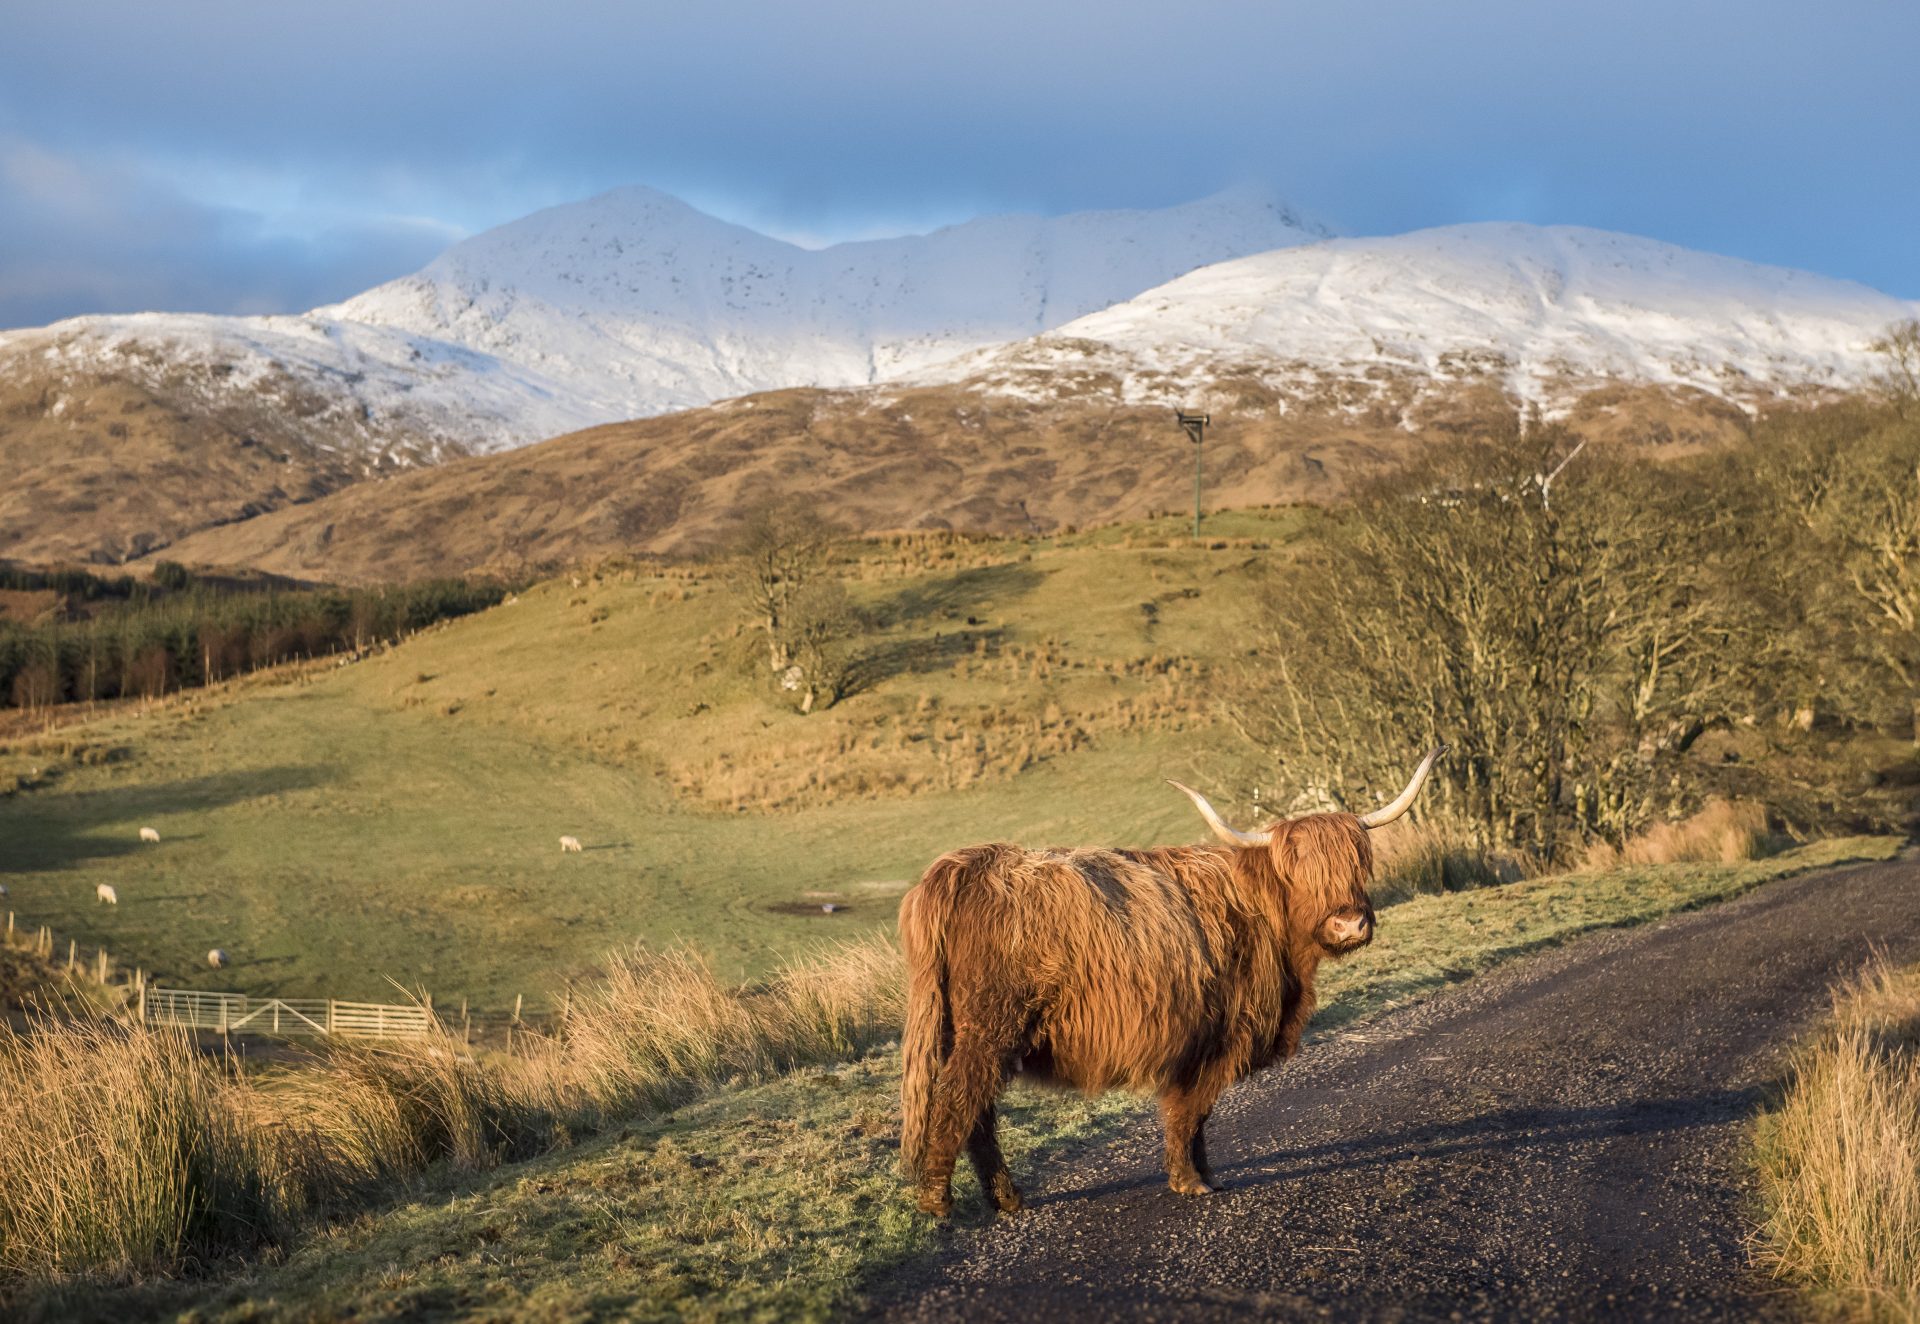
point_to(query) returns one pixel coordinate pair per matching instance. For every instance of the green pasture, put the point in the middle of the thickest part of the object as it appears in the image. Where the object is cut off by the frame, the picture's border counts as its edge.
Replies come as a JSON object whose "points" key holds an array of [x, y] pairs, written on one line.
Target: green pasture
{"points": [[341, 829]]}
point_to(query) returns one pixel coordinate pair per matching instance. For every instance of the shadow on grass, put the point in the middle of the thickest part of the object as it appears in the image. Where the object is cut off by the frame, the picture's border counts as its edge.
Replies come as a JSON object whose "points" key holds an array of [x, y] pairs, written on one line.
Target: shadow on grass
{"points": [[59, 831], [903, 657], [964, 591]]}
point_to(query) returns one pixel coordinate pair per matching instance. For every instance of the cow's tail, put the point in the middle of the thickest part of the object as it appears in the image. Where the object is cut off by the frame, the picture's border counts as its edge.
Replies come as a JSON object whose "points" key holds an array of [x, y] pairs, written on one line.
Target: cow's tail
{"points": [[929, 1033]]}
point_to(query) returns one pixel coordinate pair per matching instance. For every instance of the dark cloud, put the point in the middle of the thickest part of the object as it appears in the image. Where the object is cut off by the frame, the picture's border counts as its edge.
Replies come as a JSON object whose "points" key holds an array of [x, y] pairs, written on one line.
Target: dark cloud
{"points": [[1768, 129], [82, 236]]}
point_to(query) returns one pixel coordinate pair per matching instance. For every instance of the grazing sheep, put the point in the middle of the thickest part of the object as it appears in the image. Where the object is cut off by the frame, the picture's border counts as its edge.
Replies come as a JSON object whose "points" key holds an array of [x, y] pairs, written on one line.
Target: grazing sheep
{"points": [[217, 958], [148, 834], [106, 893], [569, 845], [3, 889]]}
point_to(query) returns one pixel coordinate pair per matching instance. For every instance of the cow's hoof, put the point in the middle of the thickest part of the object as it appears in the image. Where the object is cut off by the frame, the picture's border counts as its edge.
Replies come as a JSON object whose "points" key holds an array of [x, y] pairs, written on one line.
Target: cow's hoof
{"points": [[1007, 1196], [937, 1203], [1190, 1186]]}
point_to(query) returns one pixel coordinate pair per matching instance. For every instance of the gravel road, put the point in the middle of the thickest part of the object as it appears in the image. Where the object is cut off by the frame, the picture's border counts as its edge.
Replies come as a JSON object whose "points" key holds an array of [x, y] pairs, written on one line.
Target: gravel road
{"points": [[1562, 1138]]}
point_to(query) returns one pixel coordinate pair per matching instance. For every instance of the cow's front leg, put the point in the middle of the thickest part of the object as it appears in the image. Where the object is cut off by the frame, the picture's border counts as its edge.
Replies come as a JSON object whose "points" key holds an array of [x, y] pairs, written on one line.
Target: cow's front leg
{"points": [[1183, 1116]]}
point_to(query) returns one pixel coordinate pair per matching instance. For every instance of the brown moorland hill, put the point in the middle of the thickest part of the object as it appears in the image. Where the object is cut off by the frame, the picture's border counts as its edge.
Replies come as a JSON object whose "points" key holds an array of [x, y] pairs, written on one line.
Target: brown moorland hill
{"points": [[105, 464], [935, 457]]}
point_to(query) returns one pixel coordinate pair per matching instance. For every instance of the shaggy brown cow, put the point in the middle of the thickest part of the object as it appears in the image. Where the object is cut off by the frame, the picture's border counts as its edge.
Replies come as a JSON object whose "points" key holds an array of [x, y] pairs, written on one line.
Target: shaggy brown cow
{"points": [[1178, 970]]}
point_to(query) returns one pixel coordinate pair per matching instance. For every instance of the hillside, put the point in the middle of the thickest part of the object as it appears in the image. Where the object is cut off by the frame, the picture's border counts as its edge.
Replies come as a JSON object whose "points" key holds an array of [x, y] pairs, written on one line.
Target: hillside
{"points": [[398, 816], [931, 457], [122, 433], [102, 468]]}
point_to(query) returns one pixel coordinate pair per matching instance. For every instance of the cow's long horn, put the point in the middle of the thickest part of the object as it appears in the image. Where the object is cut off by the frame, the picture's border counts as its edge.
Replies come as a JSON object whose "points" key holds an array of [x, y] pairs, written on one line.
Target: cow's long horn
{"points": [[1385, 814], [1219, 825]]}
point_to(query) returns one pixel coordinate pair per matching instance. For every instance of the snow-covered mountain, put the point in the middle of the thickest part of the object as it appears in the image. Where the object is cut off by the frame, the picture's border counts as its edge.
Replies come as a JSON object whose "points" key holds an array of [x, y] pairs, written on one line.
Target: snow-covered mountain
{"points": [[632, 303], [1541, 311]]}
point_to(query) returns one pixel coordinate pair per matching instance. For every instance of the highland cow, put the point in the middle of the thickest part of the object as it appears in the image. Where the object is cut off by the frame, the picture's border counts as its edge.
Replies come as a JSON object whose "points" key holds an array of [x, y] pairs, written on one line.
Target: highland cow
{"points": [[1178, 971]]}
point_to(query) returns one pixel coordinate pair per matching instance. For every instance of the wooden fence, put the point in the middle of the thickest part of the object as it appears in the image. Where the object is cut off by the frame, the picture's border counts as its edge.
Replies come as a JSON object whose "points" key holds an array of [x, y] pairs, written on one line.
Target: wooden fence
{"points": [[236, 1013]]}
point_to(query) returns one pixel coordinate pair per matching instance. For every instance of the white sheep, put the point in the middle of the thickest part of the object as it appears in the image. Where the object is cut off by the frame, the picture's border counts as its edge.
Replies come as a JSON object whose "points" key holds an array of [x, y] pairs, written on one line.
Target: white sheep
{"points": [[105, 892], [217, 958], [569, 845], [148, 834]]}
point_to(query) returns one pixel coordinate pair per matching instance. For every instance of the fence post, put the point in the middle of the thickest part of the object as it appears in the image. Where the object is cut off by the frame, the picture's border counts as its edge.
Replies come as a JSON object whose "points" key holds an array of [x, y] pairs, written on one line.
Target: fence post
{"points": [[143, 996], [73, 953]]}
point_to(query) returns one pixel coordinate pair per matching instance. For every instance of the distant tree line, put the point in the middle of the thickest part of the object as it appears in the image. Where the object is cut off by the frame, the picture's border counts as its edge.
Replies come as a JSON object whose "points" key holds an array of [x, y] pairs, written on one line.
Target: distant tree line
{"points": [[157, 640], [79, 585], [1573, 619]]}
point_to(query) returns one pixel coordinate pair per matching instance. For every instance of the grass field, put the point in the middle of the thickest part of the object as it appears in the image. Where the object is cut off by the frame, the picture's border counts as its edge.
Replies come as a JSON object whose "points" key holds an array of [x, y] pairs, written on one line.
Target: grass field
{"points": [[781, 1200], [335, 828]]}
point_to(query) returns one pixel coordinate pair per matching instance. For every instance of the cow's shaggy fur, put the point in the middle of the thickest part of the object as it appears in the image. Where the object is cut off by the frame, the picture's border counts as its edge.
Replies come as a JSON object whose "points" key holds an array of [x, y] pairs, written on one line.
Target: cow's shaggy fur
{"points": [[1178, 971]]}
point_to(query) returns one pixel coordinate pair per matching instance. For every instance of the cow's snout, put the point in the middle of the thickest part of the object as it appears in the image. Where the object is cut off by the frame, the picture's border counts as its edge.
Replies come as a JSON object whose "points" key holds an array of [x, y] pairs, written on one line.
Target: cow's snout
{"points": [[1349, 930]]}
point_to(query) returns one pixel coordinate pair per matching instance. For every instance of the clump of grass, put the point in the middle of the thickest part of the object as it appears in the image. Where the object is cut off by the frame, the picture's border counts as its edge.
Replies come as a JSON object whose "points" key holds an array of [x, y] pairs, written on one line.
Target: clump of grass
{"points": [[659, 1027], [125, 1151], [1416, 858], [1721, 831], [1840, 1156]]}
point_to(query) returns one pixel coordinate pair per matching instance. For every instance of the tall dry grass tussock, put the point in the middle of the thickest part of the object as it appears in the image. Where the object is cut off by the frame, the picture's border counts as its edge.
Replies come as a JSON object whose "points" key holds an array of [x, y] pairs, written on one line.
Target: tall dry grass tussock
{"points": [[125, 1151], [1721, 831], [129, 1150], [1840, 1156], [1415, 857], [658, 1026]]}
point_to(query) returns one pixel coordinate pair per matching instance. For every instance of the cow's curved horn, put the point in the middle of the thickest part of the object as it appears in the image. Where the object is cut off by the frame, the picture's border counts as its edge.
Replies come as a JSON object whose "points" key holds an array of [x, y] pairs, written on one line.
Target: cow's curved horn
{"points": [[1219, 826], [1385, 814]]}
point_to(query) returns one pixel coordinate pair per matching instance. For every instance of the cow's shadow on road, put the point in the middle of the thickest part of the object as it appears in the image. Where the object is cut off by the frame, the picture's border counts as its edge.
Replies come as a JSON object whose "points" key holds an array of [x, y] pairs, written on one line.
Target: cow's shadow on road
{"points": [[1510, 1132]]}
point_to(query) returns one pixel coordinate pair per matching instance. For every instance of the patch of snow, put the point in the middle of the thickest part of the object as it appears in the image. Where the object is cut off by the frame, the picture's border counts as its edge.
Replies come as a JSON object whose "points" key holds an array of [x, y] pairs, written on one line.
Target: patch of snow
{"points": [[1533, 307]]}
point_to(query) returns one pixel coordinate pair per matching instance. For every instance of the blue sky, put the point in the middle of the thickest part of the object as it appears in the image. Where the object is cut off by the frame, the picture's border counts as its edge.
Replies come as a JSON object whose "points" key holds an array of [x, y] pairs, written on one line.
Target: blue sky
{"points": [[249, 157]]}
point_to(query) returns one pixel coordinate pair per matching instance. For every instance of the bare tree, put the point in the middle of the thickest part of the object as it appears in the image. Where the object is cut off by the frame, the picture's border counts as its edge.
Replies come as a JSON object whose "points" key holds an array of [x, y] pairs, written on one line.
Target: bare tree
{"points": [[1566, 648], [779, 553], [1899, 378], [783, 575]]}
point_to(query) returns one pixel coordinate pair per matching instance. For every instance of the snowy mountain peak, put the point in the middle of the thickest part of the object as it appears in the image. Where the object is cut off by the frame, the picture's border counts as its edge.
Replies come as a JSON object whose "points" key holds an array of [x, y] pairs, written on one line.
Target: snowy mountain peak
{"points": [[1542, 310], [641, 303], [633, 303]]}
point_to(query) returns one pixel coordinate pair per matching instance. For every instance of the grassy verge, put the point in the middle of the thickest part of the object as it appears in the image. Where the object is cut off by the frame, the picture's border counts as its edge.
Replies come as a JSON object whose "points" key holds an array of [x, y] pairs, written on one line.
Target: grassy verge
{"points": [[780, 1199], [1840, 1155]]}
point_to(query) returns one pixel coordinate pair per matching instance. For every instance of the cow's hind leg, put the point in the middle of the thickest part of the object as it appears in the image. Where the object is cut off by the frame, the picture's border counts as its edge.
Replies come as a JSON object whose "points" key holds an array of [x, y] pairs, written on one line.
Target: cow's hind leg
{"points": [[970, 1080], [983, 1147], [1184, 1110]]}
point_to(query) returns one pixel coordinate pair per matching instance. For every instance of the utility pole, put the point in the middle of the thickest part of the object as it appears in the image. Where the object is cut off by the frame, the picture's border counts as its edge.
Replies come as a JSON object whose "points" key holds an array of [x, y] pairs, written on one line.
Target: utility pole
{"points": [[1195, 424]]}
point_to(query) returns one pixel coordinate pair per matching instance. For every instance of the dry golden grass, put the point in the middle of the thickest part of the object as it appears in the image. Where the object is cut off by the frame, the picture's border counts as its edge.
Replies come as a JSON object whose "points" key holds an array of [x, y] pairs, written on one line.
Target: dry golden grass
{"points": [[940, 743], [1721, 831], [1840, 1156], [130, 1151], [1413, 858], [125, 1152]]}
